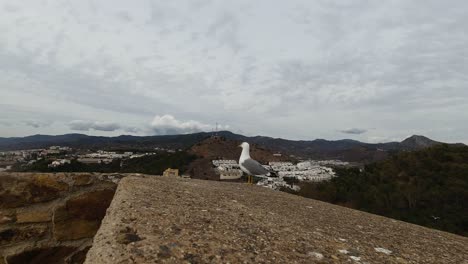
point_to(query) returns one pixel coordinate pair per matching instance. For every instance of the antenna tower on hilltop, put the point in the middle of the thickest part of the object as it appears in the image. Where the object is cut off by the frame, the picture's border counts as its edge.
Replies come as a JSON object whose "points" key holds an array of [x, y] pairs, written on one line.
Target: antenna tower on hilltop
{"points": [[215, 134]]}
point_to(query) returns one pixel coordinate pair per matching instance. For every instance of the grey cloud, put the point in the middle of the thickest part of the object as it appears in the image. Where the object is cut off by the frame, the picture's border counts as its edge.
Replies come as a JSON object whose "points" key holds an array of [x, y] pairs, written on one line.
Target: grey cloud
{"points": [[354, 131], [225, 29], [132, 129], [83, 125], [77, 85], [5, 123], [199, 4], [37, 124], [125, 16], [161, 12], [11, 8]]}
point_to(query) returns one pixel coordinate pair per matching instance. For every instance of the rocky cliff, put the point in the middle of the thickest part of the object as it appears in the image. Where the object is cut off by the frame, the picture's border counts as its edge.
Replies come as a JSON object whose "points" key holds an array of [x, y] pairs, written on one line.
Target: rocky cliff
{"points": [[51, 218]]}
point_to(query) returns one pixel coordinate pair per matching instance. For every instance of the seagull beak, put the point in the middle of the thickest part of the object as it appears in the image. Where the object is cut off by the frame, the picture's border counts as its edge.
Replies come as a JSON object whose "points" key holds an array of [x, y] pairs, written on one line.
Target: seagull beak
{"points": [[240, 146]]}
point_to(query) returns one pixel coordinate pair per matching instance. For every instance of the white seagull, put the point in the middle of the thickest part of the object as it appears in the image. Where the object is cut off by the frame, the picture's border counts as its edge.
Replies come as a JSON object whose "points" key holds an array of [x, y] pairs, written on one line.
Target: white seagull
{"points": [[249, 165]]}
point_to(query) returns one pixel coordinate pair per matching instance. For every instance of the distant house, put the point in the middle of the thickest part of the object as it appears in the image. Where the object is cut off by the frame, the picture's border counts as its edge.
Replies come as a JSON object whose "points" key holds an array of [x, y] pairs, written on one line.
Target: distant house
{"points": [[57, 163], [90, 160], [229, 174], [227, 169], [282, 166], [171, 173], [231, 164], [54, 164]]}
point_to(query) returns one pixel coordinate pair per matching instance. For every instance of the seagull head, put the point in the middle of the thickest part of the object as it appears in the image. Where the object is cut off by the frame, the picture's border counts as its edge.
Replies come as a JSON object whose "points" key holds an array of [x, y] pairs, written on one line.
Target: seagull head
{"points": [[244, 145]]}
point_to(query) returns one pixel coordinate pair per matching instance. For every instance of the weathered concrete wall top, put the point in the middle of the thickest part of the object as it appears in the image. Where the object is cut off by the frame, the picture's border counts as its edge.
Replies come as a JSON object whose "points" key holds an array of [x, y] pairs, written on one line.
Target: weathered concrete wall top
{"points": [[159, 220]]}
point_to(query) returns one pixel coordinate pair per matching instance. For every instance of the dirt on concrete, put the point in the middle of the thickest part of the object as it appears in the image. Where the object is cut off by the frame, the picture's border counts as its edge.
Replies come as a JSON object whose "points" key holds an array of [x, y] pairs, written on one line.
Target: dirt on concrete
{"points": [[172, 220]]}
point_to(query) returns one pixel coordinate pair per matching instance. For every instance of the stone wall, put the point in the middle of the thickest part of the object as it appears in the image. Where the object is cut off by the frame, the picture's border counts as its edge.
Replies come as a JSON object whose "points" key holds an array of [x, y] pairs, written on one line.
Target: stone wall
{"points": [[175, 220], [51, 218]]}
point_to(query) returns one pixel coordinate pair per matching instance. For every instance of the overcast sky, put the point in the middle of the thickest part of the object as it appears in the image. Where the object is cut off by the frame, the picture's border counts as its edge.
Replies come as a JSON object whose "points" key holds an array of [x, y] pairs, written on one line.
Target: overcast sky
{"points": [[367, 70]]}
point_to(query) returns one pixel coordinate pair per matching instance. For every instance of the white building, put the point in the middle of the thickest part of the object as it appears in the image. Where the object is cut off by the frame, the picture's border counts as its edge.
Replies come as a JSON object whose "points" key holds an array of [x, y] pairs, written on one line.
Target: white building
{"points": [[282, 166], [313, 163], [59, 148], [317, 173], [229, 174], [277, 184], [217, 163], [58, 163], [227, 169], [89, 160], [227, 164], [311, 171]]}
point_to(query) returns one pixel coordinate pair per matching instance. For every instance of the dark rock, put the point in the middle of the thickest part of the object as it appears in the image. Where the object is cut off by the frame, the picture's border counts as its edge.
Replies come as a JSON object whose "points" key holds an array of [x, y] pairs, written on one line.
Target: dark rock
{"points": [[191, 258], [176, 229], [78, 257], [42, 255], [73, 229], [13, 193], [82, 179], [50, 181], [91, 205], [164, 252], [127, 236], [18, 191], [81, 216], [33, 216], [7, 217], [24, 233]]}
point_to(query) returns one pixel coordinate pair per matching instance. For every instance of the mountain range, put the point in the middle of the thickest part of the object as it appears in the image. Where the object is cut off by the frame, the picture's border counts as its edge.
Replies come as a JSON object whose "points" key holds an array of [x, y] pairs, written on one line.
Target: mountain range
{"points": [[346, 149]]}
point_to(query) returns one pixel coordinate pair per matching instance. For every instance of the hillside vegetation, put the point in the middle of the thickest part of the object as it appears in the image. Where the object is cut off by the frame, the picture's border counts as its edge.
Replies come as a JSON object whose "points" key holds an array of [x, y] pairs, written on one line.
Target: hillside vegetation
{"points": [[154, 164], [427, 187]]}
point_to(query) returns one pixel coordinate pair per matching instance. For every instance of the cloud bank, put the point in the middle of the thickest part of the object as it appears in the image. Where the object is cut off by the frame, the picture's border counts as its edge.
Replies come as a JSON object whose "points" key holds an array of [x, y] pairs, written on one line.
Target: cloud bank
{"points": [[82, 125], [354, 131], [37, 124], [159, 125], [169, 125], [295, 69]]}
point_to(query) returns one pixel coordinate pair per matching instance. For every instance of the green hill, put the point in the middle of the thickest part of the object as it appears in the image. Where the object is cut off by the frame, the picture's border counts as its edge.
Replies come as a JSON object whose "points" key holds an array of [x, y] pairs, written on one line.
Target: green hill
{"points": [[427, 187]]}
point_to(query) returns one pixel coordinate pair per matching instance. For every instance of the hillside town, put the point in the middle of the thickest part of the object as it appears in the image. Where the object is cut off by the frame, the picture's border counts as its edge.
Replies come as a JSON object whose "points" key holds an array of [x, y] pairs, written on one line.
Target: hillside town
{"points": [[106, 157], [287, 173], [60, 156]]}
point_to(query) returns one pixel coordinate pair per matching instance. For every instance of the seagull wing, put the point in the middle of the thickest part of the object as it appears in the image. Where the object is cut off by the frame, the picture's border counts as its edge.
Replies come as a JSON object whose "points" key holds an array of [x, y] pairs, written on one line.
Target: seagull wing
{"points": [[254, 167]]}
